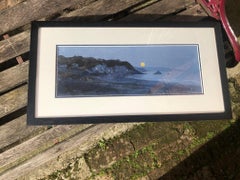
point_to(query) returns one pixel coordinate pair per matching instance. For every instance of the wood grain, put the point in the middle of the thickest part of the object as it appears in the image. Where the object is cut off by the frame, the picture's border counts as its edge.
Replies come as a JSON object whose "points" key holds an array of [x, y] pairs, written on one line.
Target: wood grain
{"points": [[159, 9], [13, 101], [4, 4], [14, 76], [16, 132], [102, 9], [194, 13], [20, 43], [34, 152], [14, 46], [38, 144], [31, 10], [60, 155]]}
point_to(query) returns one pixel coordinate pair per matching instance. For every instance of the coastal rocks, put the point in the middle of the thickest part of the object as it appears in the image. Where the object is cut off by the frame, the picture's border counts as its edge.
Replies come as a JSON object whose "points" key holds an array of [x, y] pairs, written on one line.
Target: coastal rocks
{"points": [[158, 72], [88, 66]]}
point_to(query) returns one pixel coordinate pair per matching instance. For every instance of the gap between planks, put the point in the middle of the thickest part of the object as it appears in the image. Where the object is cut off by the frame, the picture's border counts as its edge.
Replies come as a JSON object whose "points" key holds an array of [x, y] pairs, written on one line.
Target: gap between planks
{"points": [[21, 41], [158, 10], [14, 46], [16, 132], [38, 144], [102, 9], [60, 155], [4, 4], [17, 98], [30, 10], [26, 90], [14, 76], [13, 101], [24, 37]]}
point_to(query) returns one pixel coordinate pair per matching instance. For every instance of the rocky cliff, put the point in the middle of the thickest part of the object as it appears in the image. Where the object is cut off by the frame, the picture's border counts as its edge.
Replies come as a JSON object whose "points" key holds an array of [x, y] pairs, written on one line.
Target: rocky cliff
{"points": [[89, 66]]}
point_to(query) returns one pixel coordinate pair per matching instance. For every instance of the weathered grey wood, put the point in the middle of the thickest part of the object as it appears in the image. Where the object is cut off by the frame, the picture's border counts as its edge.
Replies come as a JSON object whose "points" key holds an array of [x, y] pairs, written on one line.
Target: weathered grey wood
{"points": [[194, 10], [4, 4], [100, 9], [30, 10], [13, 101], [14, 46], [16, 132], [5, 109], [63, 153], [22, 70], [19, 44], [40, 155], [159, 9], [38, 144], [14, 76], [194, 13]]}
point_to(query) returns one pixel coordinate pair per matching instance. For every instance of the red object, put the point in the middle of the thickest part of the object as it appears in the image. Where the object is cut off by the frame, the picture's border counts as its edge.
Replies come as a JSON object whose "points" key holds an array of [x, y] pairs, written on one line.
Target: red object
{"points": [[216, 9]]}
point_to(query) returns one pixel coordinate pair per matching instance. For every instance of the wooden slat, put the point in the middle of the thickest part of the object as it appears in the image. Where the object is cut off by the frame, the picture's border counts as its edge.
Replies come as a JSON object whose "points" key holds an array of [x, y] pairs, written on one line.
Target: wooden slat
{"points": [[13, 101], [38, 144], [14, 76], [15, 132], [100, 9], [53, 148], [195, 10], [158, 10], [61, 154], [22, 70], [19, 44], [195, 13], [30, 10], [14, 46], [4, 4]]}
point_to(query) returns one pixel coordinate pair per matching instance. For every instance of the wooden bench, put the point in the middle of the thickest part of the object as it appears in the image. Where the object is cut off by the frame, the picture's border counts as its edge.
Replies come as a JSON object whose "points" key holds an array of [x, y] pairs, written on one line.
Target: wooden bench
{"points": [[35, 152]]}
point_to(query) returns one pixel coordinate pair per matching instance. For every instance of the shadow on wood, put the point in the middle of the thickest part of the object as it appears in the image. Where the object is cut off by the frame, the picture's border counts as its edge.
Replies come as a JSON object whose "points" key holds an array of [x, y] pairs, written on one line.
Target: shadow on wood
{"points": [[120, 17]]}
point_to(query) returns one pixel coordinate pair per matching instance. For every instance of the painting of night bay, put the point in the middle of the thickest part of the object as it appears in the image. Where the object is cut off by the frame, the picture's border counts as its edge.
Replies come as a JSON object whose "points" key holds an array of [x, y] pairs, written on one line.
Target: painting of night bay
{"points": [[139, 70]]}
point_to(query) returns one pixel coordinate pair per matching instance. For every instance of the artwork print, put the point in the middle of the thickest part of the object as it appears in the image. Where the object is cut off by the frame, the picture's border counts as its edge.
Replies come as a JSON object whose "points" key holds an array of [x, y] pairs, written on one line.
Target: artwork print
{"points": [[128, 70]]}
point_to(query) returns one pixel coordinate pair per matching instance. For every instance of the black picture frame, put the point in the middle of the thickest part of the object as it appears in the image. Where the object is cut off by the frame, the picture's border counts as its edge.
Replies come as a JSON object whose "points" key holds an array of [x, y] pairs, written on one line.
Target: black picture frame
{"points": [[46, 108]]}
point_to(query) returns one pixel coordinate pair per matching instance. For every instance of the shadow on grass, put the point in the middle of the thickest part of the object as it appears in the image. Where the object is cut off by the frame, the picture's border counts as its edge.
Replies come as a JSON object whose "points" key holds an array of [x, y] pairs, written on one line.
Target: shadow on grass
{"points": [[217, 159]]}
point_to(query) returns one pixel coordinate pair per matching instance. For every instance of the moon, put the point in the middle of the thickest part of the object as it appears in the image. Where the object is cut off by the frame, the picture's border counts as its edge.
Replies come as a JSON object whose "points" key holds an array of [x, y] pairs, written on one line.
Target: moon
{"points": [[142, 64]]}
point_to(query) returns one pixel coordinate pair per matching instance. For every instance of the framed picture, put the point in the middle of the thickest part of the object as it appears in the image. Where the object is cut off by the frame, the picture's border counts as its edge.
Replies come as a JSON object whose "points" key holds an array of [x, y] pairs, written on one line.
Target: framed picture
{"points": [[113, 72]]}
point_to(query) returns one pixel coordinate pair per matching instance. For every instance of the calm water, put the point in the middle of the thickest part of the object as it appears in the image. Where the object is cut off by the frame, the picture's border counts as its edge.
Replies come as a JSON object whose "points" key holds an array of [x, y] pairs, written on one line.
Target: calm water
{"points": [[150, 74], [167, 76]]}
